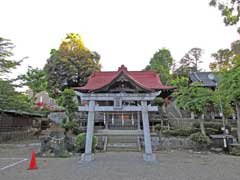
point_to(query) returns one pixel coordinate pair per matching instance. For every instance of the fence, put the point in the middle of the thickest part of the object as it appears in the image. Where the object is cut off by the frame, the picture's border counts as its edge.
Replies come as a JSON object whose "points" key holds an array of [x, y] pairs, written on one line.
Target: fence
{"points": [[15, 134]]}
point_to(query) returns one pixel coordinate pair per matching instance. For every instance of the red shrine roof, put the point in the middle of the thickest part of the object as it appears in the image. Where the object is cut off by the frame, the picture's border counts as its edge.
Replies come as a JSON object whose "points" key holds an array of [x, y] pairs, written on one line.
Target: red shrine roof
{"points": [[148, 80]]}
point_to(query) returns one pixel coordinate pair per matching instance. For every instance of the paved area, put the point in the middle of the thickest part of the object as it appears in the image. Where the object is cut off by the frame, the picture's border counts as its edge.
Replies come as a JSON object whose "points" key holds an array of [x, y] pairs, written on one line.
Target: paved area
{"points": [[177, 165]]}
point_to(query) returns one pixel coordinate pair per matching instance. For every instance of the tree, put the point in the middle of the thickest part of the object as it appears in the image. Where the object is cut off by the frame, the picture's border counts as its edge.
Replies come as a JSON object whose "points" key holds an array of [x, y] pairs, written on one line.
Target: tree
{"points": [[9, 98], [35, 79], [70, 65], [196, 99], [161, 63], [6, 64], [180, 81], [190, 62], [230, 10], [12, 100], [223, 60], [229, 86], [226, 59], [68, 101]]}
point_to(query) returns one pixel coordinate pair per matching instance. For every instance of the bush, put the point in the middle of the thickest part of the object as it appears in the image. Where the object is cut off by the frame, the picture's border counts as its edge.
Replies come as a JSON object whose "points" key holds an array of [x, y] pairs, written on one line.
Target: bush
{"points": [[68, 124], [80, 143], [179, 132], [76, 131], [200, 139], [235, 151], [211, 131], [234, 132], [158, 127], [212, 127]]}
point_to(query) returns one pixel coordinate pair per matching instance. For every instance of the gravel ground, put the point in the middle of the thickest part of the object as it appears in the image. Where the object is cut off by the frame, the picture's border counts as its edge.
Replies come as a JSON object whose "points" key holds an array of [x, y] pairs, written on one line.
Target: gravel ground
{"points": [[175, 165]]}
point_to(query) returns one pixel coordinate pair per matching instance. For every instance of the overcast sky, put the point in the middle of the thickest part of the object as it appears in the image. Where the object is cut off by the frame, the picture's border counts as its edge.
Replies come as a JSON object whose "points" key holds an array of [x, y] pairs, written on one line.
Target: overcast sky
{"points": [[122, 31]]}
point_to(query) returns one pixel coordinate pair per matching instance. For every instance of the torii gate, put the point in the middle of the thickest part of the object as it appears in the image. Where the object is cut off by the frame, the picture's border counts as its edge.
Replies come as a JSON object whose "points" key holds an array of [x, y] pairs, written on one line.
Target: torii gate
{"points": [[117, 98]]}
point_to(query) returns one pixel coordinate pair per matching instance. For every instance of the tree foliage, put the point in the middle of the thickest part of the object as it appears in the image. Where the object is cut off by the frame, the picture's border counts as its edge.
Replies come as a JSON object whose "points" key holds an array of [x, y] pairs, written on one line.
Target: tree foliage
{"points": [[223, 60], [70, 65], [230, 10], [190, 62], [195, 98], [161, 63], [6, 64], [12, 100], [68, 101], [226, 59], [229, 86], [35, 79], [180, 81]]}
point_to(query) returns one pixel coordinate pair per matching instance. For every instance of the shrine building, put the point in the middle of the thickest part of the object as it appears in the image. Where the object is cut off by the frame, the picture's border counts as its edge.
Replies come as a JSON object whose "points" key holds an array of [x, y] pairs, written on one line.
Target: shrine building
{"points": [[121, 100]]}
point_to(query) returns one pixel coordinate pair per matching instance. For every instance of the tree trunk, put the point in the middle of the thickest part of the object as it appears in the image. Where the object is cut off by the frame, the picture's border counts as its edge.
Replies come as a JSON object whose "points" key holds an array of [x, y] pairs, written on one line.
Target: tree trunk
{"points": [[238, 120], [201, 121]]}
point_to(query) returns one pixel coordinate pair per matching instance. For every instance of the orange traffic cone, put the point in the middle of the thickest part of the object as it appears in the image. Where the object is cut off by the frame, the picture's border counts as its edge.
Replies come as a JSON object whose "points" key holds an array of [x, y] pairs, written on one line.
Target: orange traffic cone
{"points": [[33, 163]]}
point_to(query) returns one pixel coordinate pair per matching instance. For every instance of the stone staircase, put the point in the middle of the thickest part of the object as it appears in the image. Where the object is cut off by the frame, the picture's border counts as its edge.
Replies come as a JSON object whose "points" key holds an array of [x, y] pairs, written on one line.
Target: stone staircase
{"points": [[123, 143], [121, 140]]}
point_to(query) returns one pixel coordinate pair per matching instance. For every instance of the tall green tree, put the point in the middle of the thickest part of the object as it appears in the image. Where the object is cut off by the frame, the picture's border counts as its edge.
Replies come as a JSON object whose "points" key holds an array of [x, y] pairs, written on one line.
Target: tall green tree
{"points": [[226, 59], [69, 102], [70, 65], [223, 60], [196, 99], [189, 62], [10, 99], [35, 79], [229, 86], [161, 63], [6, 63], [230, 10]]}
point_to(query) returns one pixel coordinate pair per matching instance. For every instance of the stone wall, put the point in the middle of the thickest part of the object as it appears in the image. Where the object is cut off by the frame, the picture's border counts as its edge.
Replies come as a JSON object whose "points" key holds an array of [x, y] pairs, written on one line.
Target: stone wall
{"points": [[167, 143]]}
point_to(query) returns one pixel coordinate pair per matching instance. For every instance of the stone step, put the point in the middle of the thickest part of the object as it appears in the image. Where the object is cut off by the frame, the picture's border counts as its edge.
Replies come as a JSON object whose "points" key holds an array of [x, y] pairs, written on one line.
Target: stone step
{"points": [[122, 139], [122, 150], [122, 147], [118, 132]]}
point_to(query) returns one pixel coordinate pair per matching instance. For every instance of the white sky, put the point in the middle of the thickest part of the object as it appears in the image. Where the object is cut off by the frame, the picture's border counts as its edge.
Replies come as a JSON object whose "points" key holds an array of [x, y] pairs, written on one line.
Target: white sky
{"points": [[122, 31]]}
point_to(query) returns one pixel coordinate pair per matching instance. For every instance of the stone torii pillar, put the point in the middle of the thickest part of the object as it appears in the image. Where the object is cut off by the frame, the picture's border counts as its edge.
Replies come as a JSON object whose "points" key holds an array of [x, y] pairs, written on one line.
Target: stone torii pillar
{"points": [[88, 156], [148, 155]]}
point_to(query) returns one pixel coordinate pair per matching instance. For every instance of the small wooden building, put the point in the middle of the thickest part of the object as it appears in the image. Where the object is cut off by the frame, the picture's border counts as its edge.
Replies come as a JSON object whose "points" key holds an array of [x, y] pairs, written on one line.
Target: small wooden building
{"points": [[17, 125]]}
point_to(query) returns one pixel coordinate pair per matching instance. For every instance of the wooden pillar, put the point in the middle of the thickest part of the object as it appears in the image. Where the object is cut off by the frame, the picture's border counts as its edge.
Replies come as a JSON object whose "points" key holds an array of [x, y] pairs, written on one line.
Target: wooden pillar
{"points": [[138, 121], [122, 120]]}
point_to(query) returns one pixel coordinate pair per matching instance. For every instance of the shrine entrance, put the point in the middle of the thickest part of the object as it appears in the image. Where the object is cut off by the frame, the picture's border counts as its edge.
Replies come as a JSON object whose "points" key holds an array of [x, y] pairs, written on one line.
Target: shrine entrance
{"points": [[124, 98], [122, 120]]}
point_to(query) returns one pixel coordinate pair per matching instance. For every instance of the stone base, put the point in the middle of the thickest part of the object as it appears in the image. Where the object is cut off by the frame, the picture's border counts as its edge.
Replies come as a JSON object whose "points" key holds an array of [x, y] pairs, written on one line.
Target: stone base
{"points": [[149, 157], [87, 157]]}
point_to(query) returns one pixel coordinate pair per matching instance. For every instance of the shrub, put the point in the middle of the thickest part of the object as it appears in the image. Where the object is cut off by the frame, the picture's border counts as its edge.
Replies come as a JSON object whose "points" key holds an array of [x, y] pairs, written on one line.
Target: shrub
{"points": [[234, 132], [212, 127], [179, 132], [200, 139], [81, 140], [235, 151], [158, 127], [68, 124], [211, 131]]}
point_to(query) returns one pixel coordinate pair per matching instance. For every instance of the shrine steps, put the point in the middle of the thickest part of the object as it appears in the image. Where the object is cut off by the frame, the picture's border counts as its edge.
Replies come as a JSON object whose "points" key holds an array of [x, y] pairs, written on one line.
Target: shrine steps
{"points": [[119, 132], [122, 143]]}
